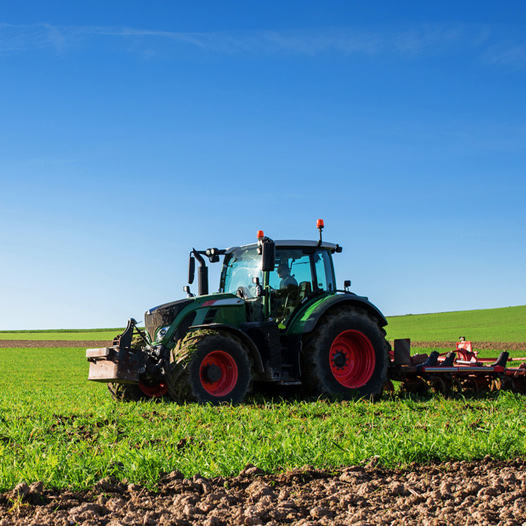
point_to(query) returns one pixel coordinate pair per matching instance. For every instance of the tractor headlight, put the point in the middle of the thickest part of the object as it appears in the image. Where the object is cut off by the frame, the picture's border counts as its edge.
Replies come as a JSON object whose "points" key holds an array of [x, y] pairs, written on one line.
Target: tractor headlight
{"points": [[161, 333]]}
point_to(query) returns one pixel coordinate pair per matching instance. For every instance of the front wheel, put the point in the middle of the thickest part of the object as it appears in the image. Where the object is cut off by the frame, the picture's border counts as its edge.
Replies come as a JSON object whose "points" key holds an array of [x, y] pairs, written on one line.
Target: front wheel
{"points": [[144, 390], [209, 367], [346, 356], [136, 392], [125, 392]]}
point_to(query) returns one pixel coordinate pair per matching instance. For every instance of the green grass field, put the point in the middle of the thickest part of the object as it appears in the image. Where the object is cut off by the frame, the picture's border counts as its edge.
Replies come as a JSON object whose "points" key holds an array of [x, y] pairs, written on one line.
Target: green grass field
{"points": [[492, 325], [58, 428], [497, 325], [63, 334]]}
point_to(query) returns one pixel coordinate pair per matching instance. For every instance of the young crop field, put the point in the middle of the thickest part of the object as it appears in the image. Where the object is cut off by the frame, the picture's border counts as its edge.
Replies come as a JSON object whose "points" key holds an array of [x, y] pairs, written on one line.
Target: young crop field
{"points": [[58, 428], [489, 325]]}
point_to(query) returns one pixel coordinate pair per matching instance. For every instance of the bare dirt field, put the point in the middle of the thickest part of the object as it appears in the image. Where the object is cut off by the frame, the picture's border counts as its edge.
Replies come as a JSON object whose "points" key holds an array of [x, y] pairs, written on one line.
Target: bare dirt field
{"points": [[453, 493]]}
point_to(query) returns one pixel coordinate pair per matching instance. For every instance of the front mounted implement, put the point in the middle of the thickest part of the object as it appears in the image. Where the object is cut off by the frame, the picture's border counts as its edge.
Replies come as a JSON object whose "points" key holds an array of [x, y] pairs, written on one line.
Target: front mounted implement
{"points": [[115, 363], [129, 360]]}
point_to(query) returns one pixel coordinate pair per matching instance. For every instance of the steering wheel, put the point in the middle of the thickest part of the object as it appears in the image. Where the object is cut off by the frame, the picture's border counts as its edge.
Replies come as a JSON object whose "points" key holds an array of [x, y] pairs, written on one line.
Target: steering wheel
{"points": [[243, 293]]}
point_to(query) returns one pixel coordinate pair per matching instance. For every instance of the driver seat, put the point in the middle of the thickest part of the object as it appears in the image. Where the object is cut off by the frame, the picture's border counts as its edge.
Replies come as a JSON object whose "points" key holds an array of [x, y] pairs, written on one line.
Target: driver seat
{"points": [[305, 289]]}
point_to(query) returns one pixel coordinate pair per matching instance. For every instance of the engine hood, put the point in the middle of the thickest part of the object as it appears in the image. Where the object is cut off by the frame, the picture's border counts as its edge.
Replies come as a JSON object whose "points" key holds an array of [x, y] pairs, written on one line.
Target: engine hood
{"points": [[163, 315]]}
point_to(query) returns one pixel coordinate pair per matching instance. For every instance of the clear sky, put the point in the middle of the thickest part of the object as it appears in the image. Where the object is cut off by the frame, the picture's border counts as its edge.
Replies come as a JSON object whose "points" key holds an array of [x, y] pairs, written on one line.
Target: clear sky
{"points": [[132, 131]]}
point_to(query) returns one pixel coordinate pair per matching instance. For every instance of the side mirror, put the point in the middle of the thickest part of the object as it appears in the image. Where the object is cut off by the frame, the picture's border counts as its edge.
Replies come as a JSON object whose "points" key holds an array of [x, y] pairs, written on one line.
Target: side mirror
{"points": [[268, 255], [191, 270], [186, 289], [212, 254]]}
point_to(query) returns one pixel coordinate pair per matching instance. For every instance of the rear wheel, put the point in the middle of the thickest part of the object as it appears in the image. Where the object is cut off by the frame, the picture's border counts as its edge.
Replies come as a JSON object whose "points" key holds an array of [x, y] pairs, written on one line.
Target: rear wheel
{"points": [[209, 367], [346, 356]]}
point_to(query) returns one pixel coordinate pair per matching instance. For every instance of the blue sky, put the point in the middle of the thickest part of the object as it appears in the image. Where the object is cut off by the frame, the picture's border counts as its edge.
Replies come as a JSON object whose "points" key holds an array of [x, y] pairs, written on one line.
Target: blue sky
{"points": [[133, 131]]}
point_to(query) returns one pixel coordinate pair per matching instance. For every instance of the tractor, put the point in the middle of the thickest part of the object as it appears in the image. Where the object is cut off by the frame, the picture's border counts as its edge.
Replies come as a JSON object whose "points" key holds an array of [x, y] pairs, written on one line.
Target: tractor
{"points": [[278, 318]]}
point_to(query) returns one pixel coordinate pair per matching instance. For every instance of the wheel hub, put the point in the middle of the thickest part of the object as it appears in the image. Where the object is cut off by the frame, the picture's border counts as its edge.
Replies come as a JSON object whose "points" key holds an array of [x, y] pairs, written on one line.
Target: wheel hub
{"points": [[212, 373], [339, 359]]}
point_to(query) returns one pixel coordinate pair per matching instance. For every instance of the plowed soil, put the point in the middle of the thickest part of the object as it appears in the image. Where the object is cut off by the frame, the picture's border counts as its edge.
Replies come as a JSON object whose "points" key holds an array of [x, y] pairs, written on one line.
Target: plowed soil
{"points": [[458, 493]]}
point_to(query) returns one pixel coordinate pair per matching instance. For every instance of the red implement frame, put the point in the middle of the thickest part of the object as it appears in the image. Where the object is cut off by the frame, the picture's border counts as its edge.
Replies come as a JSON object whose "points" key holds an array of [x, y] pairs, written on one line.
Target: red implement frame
{"points": [[457, 371]]}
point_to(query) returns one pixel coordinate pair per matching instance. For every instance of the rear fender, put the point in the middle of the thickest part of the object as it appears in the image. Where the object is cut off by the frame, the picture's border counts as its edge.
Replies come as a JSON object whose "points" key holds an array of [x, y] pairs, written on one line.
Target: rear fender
{"points": [[308, 319], [251, 346]]}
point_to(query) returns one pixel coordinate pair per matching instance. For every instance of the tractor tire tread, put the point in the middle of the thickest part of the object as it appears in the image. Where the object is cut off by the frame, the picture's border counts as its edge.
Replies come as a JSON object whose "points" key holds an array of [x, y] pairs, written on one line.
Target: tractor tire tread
{"points": [[180, 385]]}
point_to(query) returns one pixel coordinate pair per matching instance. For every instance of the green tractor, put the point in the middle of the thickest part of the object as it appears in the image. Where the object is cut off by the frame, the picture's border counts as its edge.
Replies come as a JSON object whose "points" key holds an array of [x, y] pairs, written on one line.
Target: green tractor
{"points": [[278, 317]]}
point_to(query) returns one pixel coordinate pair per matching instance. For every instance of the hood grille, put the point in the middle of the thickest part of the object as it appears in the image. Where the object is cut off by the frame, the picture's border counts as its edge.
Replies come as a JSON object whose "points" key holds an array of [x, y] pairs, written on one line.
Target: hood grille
{"points": [[163, 315]]}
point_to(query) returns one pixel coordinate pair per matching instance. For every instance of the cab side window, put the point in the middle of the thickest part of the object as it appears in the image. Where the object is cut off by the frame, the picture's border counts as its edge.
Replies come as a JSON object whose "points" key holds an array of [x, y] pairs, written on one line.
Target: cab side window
{"points": [[293, 263], [324, 276]]}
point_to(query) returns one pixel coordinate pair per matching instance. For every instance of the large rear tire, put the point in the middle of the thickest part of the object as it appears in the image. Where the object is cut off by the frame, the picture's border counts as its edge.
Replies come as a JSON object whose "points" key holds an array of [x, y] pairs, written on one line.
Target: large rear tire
{"points": [[346, 356], [209, 367]]}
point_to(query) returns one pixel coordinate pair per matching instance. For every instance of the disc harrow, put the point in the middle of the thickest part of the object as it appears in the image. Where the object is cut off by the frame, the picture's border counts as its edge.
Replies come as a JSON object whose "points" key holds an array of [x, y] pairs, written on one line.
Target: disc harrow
{"points": [[459, 371]]}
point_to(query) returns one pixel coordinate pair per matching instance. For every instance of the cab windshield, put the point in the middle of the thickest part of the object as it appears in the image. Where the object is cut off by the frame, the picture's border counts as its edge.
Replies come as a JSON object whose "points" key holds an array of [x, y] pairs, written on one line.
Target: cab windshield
{"points": [[239, 269]]}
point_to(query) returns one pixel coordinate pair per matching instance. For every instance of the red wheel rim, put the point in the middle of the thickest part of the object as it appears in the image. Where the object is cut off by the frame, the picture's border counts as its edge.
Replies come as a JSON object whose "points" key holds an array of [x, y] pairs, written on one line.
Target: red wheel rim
{"points": [[352, 359], [218, 373], [154, 390]]}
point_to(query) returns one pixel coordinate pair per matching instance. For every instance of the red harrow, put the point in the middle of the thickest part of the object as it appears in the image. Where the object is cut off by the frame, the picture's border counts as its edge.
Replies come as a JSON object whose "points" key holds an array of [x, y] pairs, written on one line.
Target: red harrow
{"points": [[460, 371]]}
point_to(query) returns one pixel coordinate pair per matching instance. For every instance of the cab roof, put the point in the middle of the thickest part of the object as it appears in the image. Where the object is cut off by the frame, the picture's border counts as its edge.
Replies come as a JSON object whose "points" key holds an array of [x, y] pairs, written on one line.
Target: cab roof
{"points": [[292, 243]]}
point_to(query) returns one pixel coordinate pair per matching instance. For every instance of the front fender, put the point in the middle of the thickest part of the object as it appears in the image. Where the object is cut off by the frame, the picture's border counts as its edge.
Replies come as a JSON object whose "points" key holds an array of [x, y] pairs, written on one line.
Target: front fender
{"points": [[252, 348]]}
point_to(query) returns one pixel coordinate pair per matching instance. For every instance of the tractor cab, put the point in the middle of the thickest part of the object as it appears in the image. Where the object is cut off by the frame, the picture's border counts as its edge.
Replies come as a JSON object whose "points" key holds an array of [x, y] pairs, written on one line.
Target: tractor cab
{"points": [[300, 269]]}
